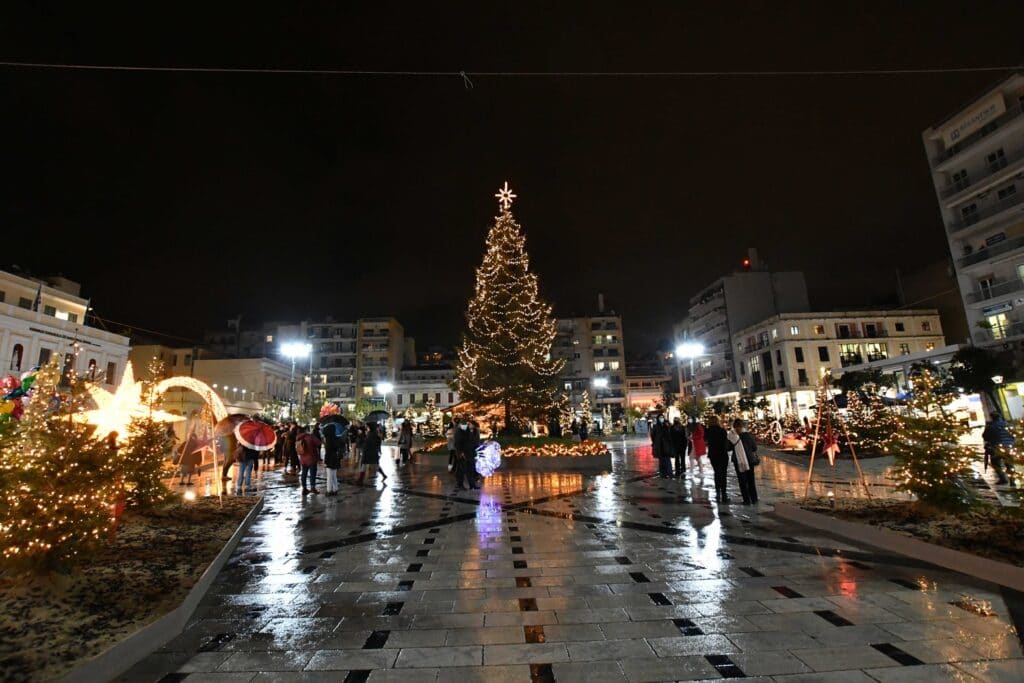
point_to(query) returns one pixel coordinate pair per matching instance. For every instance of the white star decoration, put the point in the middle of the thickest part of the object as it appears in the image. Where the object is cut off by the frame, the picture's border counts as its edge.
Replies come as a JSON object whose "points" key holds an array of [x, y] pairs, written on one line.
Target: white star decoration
{"points": [[505, 197], [115, 411]]}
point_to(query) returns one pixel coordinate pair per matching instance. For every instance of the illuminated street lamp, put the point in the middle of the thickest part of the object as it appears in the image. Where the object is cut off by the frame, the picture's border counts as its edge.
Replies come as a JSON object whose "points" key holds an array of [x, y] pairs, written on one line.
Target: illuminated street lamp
{"points": [[688, 350], [294, 350]]}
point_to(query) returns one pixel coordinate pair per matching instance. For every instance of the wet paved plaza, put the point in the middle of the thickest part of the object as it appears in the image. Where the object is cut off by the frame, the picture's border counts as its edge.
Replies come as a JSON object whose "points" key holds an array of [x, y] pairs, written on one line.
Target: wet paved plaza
{"points": [[563, 577]]}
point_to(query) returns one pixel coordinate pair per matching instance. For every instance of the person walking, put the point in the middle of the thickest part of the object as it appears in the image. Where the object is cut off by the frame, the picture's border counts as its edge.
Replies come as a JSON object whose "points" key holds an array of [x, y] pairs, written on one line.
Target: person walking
{"points": [[246, 458], [307, 446], [466, 443], [449, 435], [718, 454], [698, 448], [332, 456], [680, 442], [405, 440], [371, 452], [743, 458], [661, 447], [998, 444]]}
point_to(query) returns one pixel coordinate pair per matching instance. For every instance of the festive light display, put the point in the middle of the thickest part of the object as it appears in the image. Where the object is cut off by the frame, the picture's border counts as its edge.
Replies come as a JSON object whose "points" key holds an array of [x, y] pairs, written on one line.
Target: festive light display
{"points": [[930, 461], [434, 425], [330, 409], [586, 410], [206, 393], [872, 424], [488, 458], [116, 411], [505, 356], [587, 447]]}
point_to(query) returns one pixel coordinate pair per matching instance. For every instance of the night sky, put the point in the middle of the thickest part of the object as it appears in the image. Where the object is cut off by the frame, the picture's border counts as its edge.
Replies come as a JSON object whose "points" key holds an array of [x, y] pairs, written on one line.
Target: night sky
{"points": [[182, 199]]}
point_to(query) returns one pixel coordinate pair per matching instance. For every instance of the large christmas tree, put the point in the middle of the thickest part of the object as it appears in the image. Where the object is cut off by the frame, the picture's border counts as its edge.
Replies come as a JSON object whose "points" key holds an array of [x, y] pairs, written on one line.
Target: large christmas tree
{"points": [[505, 355]]}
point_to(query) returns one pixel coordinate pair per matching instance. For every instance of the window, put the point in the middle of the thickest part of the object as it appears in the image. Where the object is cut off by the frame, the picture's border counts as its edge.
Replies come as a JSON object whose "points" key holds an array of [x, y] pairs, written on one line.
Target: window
{"points": [[794, 330], [876, 351], [412, 398], [755, 365], [568, 387], [743, 368], [613, 365], [775, 333], [598, 339], [960, 180], [44, 356], [926, 326], [819, 329], [424, 397], [599, 366], [778, 356], [398, 399], [969, 214], [1007, 191], [92, 369], [904, 349], [188, 360], [69, 367], [25, 303], [437, 397], [763, 338], [451, 396], [367, 390], [801, 377], [849, 354], [900, 327], [870, 330], [72, 317], [843, 331], [799, 353], [270, 338], [50, 311], [985, 285], [930, 346], [996, 160], [174, 360], [823, 354], [998, 324], [16, 354]]}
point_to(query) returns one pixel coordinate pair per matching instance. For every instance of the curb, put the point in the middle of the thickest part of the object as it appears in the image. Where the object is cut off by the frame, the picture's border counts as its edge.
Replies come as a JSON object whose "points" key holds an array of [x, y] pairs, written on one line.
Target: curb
{"points": [[121, 656], [964, 563]]}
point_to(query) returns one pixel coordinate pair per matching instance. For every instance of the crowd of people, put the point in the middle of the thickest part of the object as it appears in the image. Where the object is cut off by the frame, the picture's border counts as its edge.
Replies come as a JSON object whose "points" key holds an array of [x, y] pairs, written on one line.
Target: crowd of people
{"points": [[677, 443]]}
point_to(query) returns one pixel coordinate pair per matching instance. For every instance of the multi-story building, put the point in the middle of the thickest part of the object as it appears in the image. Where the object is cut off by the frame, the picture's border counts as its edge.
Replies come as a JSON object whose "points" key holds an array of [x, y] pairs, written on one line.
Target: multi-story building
{"points": [[416, 385], [261, 341], [43, 318], [647, 381], [720, 310], [595, 358], [783, 357], [976, 157]]}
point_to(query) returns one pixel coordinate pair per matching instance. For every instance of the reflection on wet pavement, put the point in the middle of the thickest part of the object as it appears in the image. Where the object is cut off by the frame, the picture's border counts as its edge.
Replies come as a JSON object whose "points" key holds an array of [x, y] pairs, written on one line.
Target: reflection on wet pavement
{"points": [[549, 576]]}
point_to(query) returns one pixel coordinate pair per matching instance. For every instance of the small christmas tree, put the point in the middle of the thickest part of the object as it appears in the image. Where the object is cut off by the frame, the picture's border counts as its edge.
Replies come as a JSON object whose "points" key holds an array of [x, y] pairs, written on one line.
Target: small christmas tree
{"points": [[434, 426], [56, 483], [930, 460], [140, 461], [564, 413], [586, 411], [505, 356]]}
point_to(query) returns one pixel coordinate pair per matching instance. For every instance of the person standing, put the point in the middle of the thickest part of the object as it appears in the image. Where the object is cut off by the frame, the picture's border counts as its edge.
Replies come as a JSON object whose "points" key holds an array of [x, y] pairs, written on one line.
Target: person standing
{"points": [[405, 440], [679, 445], [371, 444], [718, 454], [291, 455], [742, 459], [246, 458], [466, 443], [584, 428], [698, 448], [332, 456], [450, 437], [661, 447], [307, 446], [998, 443]]}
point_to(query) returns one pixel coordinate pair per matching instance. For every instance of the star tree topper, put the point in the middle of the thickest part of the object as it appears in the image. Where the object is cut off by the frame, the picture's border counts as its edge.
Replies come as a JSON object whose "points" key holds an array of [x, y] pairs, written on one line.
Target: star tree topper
{"points": [[505, 197], [116, 410]]}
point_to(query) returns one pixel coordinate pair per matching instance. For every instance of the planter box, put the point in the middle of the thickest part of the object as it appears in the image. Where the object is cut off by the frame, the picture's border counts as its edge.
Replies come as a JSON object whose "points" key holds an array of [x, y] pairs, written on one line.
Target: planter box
{"points": [[120, 657], [979, 567], [558, 463]]}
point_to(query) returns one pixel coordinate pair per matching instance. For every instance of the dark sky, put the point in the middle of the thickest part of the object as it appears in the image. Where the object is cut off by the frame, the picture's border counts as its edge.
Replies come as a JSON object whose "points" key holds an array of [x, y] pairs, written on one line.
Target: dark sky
{"points": [[180, 199]]}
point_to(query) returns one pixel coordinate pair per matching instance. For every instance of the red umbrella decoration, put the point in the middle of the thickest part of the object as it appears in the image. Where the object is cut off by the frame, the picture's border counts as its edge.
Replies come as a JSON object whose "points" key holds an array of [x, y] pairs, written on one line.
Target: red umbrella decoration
{"points": [[255, 435]]}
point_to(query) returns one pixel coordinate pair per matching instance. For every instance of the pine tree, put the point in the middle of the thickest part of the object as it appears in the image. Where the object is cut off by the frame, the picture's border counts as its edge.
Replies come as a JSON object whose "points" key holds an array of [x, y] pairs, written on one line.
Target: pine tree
{"points": [[140, 461], [564, 413], [858, 415], [930, 461], [586, 410], [56, 483], [505, 356], [434, 426]]}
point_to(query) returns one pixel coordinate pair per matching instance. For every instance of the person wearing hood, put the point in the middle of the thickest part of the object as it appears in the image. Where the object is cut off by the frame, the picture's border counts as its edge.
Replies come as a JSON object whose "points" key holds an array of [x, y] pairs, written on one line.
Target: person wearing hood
{"points": [[998, 443], [371, 446], [744, 450], [661, 447], [679, 445]]}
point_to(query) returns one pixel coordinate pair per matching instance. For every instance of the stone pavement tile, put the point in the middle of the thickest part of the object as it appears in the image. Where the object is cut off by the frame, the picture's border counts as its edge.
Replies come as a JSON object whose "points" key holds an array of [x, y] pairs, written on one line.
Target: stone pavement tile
{"points": [[920, 630], [637, 599], [848, 676], [551, 604], [266, 661], [341, 660], [464, 655], [416, 638], [766, 641], [840, 658], [154, 667], [658, 612], [344, 640], [204, 661], [519, 618], [650, 669], [585, 672], [446, 621], [439, 607], [928, 673], [297, 677], [554, 633], [485, 674], [485, 636], [403, 675], [692, 645], [590, 616], [609, 649], [865, 634], [723, 624], [740, 607], [798, 622], [995, 647], [789, 605], [768, 663], [995, 671], [639, 629], [528, 653], [221, 677]]}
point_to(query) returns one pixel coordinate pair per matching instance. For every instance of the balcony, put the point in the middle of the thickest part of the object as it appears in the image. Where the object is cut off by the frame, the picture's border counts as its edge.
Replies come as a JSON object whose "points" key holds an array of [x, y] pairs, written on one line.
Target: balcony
{"points": [[756, 346], [1007, 116], [997, 249], [991, 169], [997, 289], [985, 212], [847, 359], [1000, 334]]}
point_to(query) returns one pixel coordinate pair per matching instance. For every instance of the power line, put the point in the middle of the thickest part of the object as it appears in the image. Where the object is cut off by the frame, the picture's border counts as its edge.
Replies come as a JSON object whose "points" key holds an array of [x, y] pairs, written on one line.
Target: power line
{"points": [[136, 328], [503, 74]]}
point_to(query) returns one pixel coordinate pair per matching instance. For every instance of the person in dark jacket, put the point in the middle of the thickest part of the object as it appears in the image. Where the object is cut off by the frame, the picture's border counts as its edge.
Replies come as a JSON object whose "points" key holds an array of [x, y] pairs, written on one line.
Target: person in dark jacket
{"points": [[467, 438], [371, 452], [998, 443], [332, 456], [679, 445], [405, 441], [718, 453], [661, 447]]}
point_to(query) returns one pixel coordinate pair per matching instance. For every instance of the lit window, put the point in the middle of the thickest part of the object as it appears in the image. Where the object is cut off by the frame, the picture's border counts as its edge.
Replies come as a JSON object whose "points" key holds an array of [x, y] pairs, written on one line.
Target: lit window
{"points": [[930, 346], [775, 333], [599, 366], [613, 365], [794, 330], [926, 326], [819, 329], [270, 338]]}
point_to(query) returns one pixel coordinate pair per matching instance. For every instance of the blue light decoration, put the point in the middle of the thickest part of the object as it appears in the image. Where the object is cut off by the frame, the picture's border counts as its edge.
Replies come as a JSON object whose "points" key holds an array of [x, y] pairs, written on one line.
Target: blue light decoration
{"points": [[488, 458]]}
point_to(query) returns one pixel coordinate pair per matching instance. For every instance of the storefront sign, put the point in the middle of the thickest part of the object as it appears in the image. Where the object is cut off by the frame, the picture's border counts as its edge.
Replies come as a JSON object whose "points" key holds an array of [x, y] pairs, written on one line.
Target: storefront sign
{"points": [[976, 117], [997, 308], [995, 239]]}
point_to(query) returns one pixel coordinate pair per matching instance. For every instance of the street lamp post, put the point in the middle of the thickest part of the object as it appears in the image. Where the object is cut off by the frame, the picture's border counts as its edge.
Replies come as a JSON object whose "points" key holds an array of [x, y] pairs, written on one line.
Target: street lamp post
{"points": [[294, 351], [599, 384], [385, 388], [689, 350]]}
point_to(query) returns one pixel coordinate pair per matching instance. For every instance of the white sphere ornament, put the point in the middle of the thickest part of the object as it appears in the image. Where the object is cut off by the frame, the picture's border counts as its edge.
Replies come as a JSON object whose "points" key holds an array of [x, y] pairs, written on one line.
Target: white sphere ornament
{"points": [[488, 458]]}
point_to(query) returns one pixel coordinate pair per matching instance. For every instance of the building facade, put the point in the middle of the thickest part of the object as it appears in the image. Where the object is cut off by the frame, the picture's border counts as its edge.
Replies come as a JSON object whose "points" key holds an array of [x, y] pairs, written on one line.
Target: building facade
{"points": [[415, 386], [595, 358], [722, 309], [976, 157], [45, 318], [784, 357]]}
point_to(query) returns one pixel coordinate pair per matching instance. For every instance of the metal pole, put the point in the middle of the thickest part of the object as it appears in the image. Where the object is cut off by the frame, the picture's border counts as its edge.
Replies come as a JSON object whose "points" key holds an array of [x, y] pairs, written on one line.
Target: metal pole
{"points": [[291, 392]]}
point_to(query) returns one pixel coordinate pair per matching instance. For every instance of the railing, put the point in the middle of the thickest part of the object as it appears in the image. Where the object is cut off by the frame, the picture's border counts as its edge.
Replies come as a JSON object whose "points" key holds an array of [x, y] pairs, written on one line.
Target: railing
{"points": [[998, 289], [990, 127], [872, 357], [986, 212], [846, 359], [987, 253], [997, 334], [991, 169], [756, 346]]}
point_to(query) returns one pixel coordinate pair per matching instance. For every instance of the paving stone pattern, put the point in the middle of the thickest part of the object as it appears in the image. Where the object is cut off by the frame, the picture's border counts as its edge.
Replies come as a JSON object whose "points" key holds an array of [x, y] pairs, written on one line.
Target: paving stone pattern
{"points": [[563, 577]]}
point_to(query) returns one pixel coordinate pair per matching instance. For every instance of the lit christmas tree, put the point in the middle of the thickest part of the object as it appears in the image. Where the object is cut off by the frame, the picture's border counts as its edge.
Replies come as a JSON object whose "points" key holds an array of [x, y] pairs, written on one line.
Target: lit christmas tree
{"points": [[434, 426], [141, 460], [586, 411], [875, 424], [929, 458], [565, 413], [56, 483], [505, 356]]}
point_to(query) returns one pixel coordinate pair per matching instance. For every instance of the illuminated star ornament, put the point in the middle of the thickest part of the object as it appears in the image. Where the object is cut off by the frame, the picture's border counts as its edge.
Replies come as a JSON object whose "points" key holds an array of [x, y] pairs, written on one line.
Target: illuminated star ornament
{"points": [[505, 197], [115, 411]]}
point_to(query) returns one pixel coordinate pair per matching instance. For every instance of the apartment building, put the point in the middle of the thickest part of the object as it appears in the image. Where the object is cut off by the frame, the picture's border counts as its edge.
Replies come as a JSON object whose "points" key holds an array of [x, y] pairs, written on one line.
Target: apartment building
{"points": [[45, 317], [783, 357], [976, 157], [726, 306], [595, 358]]}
